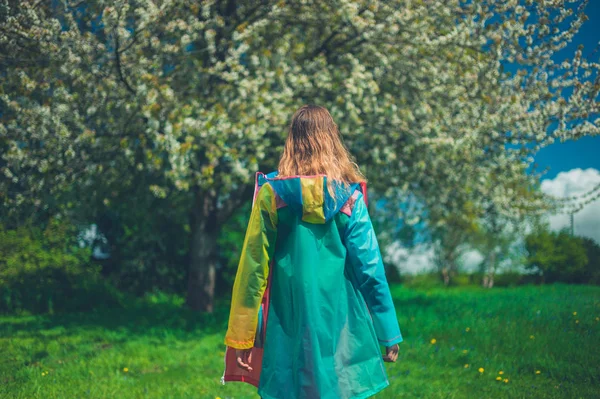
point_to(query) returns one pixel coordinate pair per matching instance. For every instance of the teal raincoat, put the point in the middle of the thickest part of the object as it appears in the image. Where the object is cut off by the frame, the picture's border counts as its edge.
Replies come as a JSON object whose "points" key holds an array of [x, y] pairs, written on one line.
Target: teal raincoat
{"points": [[310, 295]]}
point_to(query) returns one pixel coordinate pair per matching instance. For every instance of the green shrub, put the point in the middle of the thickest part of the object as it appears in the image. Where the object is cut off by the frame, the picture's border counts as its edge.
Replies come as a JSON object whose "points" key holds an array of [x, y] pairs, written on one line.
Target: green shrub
{"points": [[461, 280], [44, 270], [424, 281], [592, 271], [509, 279], [558, 256]]}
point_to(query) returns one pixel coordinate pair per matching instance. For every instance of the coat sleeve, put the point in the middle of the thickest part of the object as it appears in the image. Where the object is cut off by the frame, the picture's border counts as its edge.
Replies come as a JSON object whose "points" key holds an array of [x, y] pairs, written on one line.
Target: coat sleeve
{"points": [[253, 269], [366, 267]]}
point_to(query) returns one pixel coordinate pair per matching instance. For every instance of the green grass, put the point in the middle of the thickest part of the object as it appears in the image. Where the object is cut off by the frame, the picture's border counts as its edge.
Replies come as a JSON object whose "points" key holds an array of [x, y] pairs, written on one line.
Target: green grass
{"points": [[173, 353]]}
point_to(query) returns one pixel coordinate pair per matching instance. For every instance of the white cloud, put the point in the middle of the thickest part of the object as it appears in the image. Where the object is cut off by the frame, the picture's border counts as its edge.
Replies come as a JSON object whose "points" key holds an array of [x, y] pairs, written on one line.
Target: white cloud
{"points": [[572, 183]]}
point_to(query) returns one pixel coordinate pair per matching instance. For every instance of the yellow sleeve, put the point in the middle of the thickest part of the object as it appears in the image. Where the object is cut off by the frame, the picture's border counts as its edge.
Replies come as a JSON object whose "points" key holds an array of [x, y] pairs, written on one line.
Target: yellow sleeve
{"points": [[253, 270]]}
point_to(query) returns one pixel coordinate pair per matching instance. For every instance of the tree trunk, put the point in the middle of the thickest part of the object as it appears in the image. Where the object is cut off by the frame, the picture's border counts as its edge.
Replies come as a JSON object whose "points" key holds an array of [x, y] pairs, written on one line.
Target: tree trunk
{"points": [[445, 276], [490, 271], [450, 269], [202, 267]]}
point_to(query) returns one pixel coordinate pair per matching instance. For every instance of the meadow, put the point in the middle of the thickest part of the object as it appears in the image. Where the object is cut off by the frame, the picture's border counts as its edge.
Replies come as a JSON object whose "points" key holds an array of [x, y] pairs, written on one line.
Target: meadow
{"points": [[466, 342]]}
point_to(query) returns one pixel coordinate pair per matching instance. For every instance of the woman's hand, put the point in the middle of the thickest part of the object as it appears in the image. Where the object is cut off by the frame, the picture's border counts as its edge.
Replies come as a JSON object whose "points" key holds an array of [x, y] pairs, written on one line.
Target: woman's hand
{"points": [[244, 358], [391, 353]]}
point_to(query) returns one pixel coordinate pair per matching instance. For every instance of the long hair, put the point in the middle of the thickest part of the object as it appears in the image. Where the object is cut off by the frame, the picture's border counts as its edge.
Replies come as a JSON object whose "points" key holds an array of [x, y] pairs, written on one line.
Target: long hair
{"points": [[314, 146]]}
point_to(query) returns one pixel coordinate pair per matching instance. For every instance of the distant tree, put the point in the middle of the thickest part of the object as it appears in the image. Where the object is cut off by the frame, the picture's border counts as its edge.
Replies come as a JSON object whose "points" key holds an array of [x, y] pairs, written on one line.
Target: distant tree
{"points": [[44, 270], [450, 241], [558, 256], [592, 269], [201, 92], [494, 236]]}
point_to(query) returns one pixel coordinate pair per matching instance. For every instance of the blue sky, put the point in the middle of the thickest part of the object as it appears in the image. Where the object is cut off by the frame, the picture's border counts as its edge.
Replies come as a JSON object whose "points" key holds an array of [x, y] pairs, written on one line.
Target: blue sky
{"points": [[585, 152]]}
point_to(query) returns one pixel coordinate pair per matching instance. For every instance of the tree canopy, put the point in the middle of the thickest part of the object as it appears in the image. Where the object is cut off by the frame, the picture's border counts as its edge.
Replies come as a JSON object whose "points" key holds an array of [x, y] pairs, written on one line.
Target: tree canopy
{"points": [[434, 98]]}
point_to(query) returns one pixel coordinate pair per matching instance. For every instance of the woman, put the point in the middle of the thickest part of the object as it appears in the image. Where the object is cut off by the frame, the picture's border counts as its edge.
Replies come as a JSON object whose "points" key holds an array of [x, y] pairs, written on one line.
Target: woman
{"points": [[311, 304]]}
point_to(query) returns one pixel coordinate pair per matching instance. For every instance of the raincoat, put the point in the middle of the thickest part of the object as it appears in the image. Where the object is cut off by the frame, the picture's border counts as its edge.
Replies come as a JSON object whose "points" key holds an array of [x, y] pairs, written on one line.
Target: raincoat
{"points": [[310, 295]]}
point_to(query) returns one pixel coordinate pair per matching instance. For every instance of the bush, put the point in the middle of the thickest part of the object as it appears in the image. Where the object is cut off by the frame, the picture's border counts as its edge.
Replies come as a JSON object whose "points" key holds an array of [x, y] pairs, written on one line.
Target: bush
{"points": [[461, 280], [424, 281], [504, 279], [509, 279], [592, 270], [559, 256], [44, 270]]}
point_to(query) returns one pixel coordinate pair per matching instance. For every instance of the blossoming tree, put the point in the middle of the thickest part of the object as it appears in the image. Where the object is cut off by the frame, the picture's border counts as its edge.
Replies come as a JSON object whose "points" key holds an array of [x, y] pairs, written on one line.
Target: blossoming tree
{"points": [[433, 98]]}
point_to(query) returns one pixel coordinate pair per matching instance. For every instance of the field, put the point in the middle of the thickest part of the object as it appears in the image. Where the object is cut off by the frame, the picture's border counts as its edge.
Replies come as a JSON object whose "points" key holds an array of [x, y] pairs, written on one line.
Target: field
{"points": [[524, 342]]}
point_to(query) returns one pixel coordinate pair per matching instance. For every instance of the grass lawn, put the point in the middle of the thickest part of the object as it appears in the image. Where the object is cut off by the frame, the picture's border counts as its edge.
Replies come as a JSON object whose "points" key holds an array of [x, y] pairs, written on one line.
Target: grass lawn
{"points": [[541, 342]]}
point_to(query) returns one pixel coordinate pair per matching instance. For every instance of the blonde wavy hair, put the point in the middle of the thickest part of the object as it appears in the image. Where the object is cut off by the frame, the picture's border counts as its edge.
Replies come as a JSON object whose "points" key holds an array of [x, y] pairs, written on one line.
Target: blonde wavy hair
{"points": [[314, 146]]}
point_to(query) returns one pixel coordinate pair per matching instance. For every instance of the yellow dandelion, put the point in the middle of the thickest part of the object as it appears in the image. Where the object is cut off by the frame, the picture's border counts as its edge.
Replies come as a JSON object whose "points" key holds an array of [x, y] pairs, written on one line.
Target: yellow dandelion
{"points": [[467, 329], [481, 369], [433, 341], [466, 366], [500, 372], [538, 372], [217, 397], [43, 373], [498, 378], [125, 369], [532, 337], [576, 321], [465, 351], [574, 313], [506, 380]]}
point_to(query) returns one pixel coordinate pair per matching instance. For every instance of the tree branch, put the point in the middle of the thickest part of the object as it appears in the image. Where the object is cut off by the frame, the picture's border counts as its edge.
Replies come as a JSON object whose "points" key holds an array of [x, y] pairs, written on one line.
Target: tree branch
{"points": [[118, 62]]}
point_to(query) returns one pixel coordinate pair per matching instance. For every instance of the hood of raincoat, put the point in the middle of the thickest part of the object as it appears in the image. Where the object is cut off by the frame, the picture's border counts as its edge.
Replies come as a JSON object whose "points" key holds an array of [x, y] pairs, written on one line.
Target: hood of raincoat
{"points": [[308, 196]]}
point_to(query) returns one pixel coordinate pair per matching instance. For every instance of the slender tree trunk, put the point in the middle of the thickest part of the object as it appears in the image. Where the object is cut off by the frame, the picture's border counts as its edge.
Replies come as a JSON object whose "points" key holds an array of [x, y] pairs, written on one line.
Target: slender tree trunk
{"points": [[202, 267], [445, 276], [450, 269], [491, 270], [488, 279]]}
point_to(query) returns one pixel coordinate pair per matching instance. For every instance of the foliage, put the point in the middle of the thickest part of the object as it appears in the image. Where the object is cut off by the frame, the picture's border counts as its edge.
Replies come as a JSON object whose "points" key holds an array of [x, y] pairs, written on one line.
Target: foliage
{"points": [[558, 256], [44, 270], [423, 281], [230, 244], [433, 97], [160, 350], [498, 239], [148, 239], [450, 241], [513, 279], [503, 279], [592, 250]]}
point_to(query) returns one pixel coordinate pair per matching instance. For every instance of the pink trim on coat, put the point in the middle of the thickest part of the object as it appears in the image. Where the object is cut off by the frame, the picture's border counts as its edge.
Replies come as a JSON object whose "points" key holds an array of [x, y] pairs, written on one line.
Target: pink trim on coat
{"points": [[349, 205]]}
